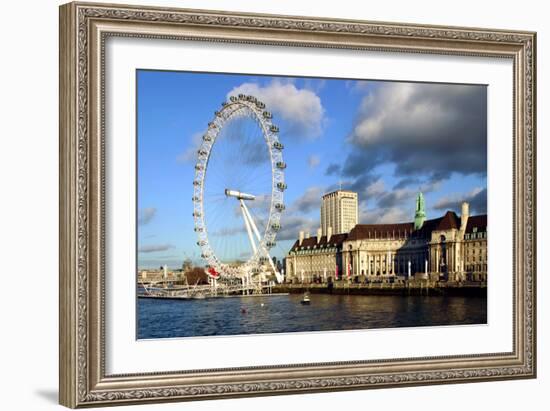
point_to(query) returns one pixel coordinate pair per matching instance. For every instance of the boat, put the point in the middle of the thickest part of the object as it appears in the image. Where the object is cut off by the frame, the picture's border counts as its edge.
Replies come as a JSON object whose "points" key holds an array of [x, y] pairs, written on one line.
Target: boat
{"points": [[305, 299]]}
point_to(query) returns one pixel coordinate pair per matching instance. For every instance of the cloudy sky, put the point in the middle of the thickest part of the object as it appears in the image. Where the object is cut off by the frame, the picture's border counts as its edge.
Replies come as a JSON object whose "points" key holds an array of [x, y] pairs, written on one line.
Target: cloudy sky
{"points": [[385, 140]]}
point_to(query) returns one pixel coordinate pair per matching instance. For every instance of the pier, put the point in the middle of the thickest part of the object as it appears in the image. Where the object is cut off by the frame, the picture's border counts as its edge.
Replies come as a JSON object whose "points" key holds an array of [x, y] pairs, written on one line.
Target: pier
{"points": [[165, 289]]}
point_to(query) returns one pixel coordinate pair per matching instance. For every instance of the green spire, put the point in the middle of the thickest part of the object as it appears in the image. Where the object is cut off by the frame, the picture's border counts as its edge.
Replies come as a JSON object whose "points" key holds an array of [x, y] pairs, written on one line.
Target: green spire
{"points": [[420, 213]]}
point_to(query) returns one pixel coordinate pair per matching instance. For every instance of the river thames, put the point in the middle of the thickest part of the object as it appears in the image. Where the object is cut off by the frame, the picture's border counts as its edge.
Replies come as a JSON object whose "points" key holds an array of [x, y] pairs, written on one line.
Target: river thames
{"points": [[162, 318]]}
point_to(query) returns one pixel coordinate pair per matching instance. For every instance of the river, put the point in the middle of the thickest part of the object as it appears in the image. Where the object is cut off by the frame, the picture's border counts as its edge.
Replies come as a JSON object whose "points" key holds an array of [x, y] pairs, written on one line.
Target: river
{"points": [[283, 314]]}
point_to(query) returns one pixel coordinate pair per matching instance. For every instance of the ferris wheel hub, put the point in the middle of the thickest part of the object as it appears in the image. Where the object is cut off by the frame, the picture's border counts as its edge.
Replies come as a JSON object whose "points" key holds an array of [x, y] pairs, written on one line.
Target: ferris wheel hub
{"points": [[238, 195]]}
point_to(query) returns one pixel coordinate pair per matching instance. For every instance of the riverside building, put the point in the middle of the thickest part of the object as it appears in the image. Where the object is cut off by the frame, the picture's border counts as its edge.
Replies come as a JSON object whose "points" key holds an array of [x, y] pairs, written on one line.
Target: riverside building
{"points": [[449, 248]]}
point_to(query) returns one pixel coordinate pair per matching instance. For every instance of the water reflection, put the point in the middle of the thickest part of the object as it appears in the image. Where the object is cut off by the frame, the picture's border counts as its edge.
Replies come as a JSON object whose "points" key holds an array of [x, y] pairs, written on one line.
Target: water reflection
{"points": [[284, 313]]}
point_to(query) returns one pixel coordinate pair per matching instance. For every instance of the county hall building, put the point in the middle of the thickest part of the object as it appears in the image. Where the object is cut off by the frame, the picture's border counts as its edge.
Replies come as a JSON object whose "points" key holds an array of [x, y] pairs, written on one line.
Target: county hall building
{"points": [[449, 248]]}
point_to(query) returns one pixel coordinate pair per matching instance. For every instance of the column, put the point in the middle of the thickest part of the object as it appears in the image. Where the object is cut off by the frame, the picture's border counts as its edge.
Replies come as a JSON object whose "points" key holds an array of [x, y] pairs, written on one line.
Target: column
{"points": [[345, 258]]}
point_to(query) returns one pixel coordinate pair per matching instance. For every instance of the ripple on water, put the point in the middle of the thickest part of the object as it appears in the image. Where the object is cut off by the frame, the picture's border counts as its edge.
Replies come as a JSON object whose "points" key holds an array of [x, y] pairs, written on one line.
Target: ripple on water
{"points": [[284, 314]]}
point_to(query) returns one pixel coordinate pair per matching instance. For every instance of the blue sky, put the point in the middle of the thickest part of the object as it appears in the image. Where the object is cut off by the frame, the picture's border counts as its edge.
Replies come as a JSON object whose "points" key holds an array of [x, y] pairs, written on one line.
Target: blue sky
{"points": [[385, 140]]}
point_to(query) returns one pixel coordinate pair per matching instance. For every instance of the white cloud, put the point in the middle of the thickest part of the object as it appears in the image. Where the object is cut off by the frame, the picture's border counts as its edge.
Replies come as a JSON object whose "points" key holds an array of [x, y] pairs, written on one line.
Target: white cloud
{"points": [[313, 161], [291, 225], [390, 215], [358, 85], [424, 129], [310, 200], [189, 155], [146, 215], [476, 197], [375, 189], [300, 108], [153, 248]]}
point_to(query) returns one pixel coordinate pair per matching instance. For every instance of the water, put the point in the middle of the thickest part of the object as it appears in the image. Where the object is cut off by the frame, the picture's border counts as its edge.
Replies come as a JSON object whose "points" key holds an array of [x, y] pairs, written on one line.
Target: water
{"points": [[284, 313]]}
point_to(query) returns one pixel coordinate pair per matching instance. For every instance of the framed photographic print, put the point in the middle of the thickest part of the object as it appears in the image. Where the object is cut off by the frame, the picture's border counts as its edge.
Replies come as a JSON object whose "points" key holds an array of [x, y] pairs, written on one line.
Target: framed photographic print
{"points": [[259, 204]]}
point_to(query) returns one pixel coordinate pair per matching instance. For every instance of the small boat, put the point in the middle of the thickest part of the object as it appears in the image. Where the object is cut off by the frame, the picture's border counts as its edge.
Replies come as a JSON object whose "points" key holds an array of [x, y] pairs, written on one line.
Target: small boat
{"points": [[305, 299]]}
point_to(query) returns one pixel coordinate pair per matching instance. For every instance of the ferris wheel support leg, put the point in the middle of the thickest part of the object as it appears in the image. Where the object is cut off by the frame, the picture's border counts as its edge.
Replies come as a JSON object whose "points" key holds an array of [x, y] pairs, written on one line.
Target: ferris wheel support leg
{"points": [[253, 224], [247, 224]]}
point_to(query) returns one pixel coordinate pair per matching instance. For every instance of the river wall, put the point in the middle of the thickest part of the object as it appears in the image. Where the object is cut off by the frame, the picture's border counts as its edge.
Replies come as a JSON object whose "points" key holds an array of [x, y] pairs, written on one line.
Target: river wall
{"points": [[410, 288]]}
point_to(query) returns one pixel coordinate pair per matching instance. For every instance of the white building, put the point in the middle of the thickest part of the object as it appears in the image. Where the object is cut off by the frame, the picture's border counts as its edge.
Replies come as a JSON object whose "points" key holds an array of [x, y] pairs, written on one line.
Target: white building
{"points": [[340, 211], [448, 248]]}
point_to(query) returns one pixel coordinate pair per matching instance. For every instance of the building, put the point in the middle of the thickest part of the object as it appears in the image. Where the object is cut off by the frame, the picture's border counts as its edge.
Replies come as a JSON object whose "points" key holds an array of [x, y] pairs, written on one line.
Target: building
{"points": [[340, 211], [448, 248], [315, 258], [475, 248]]}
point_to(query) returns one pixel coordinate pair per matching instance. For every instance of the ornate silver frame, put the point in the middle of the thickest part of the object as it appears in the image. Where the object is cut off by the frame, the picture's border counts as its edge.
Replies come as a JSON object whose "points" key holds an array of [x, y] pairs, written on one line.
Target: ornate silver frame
{"points": [[83, 30]]}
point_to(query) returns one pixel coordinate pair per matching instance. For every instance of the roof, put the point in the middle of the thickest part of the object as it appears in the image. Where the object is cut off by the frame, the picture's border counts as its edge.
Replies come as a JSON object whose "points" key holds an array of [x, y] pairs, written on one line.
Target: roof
{"points": [[449, 221], [335, 241], [477, 221], [403, 230], [340, 191]]}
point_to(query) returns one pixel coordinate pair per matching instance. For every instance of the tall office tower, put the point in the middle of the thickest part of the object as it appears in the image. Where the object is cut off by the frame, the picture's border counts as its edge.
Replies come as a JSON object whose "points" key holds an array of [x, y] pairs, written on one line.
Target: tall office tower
{"points": [[340, 211]]}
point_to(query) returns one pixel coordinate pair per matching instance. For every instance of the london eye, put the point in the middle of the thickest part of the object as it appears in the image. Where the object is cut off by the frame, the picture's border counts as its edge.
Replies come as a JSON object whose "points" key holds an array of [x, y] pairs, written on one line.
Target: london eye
{"points": [[238, 191]]}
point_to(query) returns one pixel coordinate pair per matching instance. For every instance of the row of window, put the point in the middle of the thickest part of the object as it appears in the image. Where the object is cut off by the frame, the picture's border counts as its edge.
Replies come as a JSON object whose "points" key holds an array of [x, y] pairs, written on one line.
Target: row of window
{"points": [[473, 244], [475, 250], [476, 267], [473, 236], [474, 259], [314, 250]]}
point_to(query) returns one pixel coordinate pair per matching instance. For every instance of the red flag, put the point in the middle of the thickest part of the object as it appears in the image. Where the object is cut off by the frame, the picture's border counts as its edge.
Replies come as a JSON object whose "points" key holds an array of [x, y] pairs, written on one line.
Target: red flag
{"points": [[349, 270], [336, 273]]}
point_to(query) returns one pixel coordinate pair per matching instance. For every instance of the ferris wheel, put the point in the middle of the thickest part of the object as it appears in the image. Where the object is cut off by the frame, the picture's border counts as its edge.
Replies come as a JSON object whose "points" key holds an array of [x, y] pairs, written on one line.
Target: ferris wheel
{"points": [[238, 190]]}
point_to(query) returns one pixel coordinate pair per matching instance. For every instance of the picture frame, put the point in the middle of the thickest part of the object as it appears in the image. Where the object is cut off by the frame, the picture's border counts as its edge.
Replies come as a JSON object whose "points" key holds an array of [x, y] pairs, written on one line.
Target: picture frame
{"points": [[84, 30]]}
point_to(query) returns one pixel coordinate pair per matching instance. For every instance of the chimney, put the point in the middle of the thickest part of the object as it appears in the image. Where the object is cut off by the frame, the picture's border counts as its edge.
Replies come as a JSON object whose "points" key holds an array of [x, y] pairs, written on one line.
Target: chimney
{"points": [[319, 235], [464, 216], [329, 233], [301, 238], [307, 234]]}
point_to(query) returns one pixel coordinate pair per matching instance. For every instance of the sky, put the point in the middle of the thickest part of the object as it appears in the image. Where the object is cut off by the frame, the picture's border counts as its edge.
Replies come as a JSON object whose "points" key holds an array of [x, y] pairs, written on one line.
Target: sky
{"points": [[385, 140]]}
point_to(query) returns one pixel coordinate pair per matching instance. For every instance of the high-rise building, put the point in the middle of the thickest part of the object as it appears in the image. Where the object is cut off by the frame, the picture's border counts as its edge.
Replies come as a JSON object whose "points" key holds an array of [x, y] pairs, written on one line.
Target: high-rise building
{"points": [[339, 211]]}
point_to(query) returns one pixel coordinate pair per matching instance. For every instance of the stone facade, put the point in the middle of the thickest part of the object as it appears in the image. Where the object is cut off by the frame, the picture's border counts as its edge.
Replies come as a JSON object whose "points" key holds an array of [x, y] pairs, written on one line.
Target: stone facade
{"points": [[448, 248], [382, 251], [312, 260]]}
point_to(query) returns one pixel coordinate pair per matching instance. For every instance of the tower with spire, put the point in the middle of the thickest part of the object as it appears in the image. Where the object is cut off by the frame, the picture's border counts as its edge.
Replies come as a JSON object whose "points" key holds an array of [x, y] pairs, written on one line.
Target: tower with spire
{"points": [[420, 213]]}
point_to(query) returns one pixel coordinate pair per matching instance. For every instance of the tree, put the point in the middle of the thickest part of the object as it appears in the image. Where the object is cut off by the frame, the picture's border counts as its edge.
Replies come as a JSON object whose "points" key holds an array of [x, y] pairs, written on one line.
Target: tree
{"points": [[196, 275]]}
